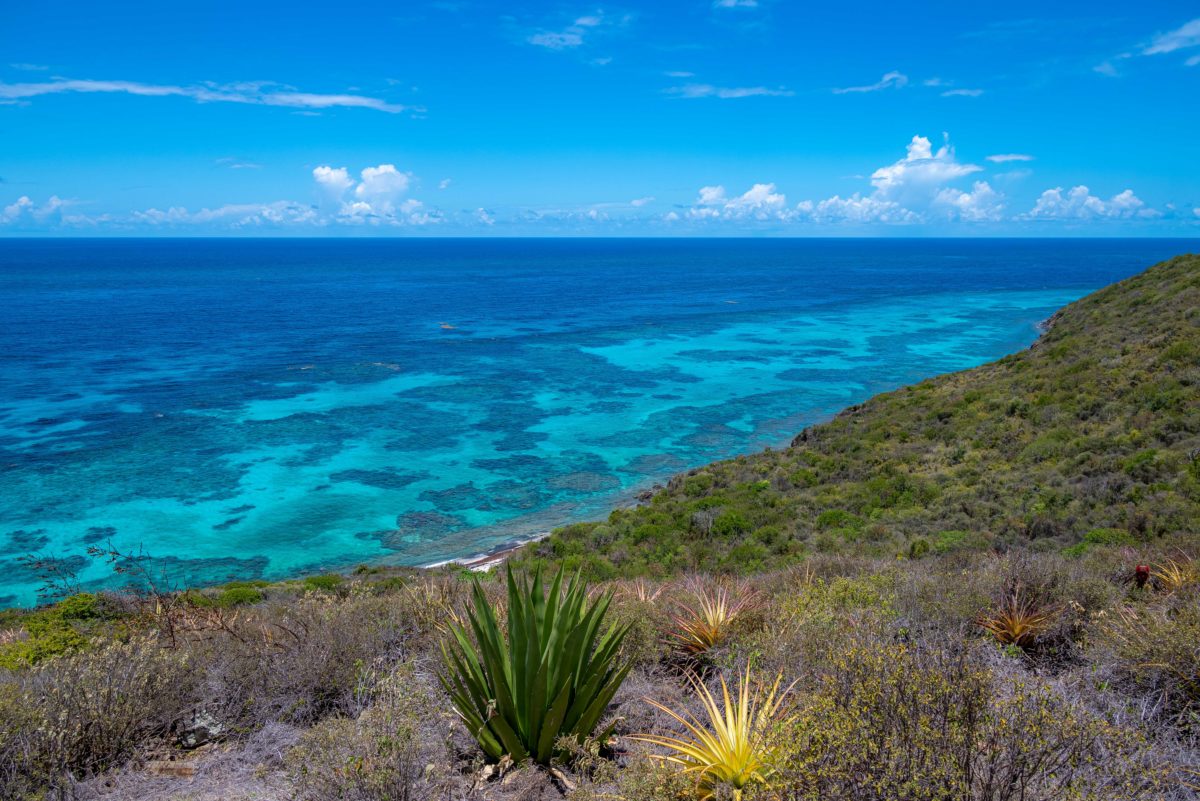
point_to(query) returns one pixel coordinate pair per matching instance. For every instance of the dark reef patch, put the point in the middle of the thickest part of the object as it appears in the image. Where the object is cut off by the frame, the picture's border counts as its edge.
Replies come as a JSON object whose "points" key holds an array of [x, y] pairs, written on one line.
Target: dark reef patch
{"points": [[22, 541], [388, 478], [458, 498], [96, 534]]}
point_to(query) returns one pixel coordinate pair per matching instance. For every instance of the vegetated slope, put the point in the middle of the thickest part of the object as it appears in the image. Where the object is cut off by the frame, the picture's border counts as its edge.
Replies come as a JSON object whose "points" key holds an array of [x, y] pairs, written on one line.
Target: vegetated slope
{"points": [[1090, 436]]}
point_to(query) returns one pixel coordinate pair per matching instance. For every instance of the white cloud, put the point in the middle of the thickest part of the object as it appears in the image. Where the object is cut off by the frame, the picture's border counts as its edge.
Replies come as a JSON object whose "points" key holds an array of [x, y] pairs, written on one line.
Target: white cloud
{"points": [[679, 74], [855, 209], [735, 3], [641, 201], [27, 67], [1185, 36], [759, 202], [697, 90], [24, 211], [375, 199], [891, 80], [336, 180], [1003, 158], [1080, 204], [444, 183], [381, 186], [261, 94], [916, 178], [1196, 211], [914, 189], [1193, 61], [484, 217], [962, 93], [981, 204]]}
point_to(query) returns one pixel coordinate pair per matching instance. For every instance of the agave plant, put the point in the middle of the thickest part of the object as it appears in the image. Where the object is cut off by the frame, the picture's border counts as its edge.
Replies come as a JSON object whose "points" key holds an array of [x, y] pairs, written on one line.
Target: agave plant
{"points": [[707, 621], [551, 676], [734, 747], [1016, 621]]}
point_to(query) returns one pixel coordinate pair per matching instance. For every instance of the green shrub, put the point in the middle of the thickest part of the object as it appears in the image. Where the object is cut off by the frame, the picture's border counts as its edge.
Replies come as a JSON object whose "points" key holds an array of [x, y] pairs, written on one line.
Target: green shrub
{"points": [[730, 523], [54, 631], [239, 596], [946, 541], [837, 518], [328, 582], [918, 548], [551, 675]]}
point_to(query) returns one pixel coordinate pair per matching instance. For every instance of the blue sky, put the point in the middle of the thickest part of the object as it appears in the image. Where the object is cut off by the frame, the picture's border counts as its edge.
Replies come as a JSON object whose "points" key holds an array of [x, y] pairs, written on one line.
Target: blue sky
{"points": [[732, 117]]}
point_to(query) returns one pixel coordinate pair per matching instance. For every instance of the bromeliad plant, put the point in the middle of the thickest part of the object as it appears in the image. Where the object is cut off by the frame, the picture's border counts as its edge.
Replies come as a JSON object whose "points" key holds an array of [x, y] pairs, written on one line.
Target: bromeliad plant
{"points": [[735, 747], [552, 676], [1017, 620], [708, 620]]}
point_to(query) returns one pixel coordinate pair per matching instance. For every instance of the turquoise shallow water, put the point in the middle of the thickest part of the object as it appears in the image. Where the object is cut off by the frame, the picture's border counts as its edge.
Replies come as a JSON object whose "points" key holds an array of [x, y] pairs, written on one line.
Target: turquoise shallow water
{"points": [[265, 408]]}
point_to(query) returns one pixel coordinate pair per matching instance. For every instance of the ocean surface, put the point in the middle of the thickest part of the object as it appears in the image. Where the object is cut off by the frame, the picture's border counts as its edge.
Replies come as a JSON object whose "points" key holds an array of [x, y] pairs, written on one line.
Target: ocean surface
{"points": [[266, 408]]}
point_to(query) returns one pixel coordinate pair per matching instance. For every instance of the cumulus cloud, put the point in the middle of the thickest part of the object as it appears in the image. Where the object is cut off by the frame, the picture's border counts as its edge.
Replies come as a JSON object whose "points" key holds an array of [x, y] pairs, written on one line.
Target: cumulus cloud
{"points": [[891, 80], [336, 180], [375, 198], [260, 93], [381, 185], [916, 188], [1080, 204], [922, 172], [25, 212], [855, 209], [692, 91], [759, 202], [981, 204]]}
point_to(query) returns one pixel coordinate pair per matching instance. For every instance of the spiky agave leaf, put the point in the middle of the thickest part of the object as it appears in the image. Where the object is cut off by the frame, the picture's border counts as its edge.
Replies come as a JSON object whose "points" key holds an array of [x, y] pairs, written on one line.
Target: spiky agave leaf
{"points": [[551, 676], [732, 748]]}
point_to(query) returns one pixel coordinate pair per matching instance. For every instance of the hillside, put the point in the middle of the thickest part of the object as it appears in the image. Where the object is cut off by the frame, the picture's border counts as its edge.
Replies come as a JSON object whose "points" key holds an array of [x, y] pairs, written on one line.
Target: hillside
{"points": [[1090, 436]]}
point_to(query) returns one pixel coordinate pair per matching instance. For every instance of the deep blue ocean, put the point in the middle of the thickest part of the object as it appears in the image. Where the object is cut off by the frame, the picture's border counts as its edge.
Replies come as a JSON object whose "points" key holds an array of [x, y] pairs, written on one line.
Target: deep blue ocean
{"points": [[264, 408]]}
